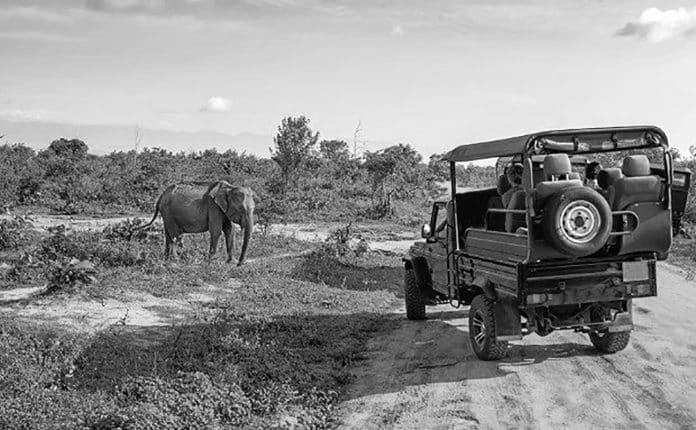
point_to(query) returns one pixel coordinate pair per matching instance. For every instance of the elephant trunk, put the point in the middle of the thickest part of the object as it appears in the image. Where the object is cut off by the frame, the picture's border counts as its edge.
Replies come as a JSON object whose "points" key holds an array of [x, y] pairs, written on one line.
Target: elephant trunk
{"points": [[248, 226]]}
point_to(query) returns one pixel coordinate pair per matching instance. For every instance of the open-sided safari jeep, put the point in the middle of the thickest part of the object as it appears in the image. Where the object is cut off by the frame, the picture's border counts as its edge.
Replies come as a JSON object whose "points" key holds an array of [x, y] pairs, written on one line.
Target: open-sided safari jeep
{"points": [[567, 245]]}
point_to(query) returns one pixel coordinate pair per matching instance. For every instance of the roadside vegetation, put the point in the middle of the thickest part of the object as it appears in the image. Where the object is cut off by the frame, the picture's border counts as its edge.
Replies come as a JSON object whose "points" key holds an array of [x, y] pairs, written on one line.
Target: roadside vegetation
{"points": [[275, 352]]}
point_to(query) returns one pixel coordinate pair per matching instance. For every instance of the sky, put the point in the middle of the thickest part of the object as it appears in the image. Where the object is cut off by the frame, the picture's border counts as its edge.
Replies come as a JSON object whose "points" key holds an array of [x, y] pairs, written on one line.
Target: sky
{"points": [[434, 74]]}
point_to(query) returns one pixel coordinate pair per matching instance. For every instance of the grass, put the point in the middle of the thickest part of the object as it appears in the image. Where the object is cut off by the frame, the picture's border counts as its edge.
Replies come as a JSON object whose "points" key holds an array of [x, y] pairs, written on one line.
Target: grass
{"points": [[682, 253], [275, 354]]}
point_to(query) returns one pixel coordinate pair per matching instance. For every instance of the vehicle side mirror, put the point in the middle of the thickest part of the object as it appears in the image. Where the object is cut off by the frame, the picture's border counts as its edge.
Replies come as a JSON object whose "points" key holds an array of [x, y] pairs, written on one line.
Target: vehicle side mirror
{"points": [[425, 231]]}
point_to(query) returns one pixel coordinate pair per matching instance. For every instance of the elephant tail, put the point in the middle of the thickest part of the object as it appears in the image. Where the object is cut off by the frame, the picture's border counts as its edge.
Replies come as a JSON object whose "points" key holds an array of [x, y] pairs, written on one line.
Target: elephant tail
{"points": [[154, 217]]}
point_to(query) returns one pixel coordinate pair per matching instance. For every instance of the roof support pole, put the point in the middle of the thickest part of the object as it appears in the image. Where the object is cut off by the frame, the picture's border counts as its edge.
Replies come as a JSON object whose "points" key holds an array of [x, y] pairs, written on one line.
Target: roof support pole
{"points": [[453, 186]]}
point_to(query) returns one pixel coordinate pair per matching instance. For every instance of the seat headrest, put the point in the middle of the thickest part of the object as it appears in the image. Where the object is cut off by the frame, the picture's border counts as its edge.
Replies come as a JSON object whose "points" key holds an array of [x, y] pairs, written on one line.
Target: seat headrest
{"points": [[574, 175], [636, 165], [556, 165], [607, 177], [503, 184]]}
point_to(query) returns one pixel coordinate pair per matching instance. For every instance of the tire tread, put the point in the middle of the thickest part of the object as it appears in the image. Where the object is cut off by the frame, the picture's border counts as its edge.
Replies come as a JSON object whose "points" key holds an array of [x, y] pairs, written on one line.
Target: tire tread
{"points": [[494, 350], [611, 342], [415, 303]]}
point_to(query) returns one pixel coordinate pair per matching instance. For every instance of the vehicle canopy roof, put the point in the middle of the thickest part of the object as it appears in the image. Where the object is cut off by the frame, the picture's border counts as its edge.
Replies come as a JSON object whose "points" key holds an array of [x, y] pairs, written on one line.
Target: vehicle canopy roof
{"points": [[575, 141]]}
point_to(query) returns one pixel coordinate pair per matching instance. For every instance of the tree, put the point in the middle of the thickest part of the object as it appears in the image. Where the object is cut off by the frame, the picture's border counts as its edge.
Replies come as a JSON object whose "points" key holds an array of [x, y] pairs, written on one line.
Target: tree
{"points": [[19, 174], [395, 171], [293, 143], [438, 167], [334, 150], [73, 149]]}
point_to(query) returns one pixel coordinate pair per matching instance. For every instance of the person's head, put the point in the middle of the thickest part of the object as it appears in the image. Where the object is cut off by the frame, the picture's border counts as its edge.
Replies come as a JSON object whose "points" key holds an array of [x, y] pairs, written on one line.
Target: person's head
{"points": [[514, 174], [592, 170]]}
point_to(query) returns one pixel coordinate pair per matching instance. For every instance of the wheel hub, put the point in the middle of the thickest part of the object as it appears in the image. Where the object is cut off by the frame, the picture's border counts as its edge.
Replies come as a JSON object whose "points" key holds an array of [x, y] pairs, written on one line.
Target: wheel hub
{"points": [[579, 221], [479, 329]]}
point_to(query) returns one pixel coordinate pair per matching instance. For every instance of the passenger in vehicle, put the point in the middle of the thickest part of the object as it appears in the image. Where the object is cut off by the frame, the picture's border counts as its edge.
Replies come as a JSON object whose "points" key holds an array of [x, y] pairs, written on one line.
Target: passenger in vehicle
{"points": [[606, 179], [591, 172], [514, 177]]}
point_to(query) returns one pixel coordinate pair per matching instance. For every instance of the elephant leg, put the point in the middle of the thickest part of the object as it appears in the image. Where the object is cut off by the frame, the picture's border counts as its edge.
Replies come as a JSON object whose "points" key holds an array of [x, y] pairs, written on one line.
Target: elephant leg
{"points": [[172, 234], [228, 229], [215, 231], [167, 246]]}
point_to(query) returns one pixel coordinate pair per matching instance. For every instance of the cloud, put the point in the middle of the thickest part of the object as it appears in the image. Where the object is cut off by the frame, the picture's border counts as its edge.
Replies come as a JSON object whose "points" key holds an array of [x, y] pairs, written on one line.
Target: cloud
{"points": [[34, 13], [217, 104], [127, 6], [397, 30], [38, 36], [656, 25], [24, 114]]}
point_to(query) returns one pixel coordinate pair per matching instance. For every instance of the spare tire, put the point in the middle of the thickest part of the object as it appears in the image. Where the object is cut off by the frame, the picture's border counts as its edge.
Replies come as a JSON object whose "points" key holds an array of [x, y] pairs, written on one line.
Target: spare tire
{"points": [[577, 221]]}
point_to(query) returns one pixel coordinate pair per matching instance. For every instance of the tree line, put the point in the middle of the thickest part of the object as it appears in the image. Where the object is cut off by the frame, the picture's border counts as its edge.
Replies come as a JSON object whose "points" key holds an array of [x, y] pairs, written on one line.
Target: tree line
{"points": [[305, 177]]}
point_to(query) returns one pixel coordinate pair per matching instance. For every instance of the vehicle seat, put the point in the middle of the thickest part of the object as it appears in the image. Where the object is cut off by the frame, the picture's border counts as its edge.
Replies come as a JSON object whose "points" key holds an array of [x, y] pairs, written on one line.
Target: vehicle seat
{"points": [[557, 175], [641, 193], [606, 178], [636, 185], [515, 221]]}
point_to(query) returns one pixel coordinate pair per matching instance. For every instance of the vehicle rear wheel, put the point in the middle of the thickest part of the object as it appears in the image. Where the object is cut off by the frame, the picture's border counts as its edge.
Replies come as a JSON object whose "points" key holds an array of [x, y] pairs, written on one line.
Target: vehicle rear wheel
{"points": [[610, 342], [577, 221], [415, 302], [482, 330]]}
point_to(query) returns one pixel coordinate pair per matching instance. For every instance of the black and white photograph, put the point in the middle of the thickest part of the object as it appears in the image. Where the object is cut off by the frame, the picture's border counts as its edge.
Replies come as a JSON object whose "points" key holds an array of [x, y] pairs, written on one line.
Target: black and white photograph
{"points": [[347, 214]]}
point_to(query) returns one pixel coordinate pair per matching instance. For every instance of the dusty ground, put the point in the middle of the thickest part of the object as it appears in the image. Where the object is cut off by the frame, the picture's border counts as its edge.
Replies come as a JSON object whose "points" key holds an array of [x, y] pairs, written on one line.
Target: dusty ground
{"points": [[92, 314], [424, 375], [41, 222]]}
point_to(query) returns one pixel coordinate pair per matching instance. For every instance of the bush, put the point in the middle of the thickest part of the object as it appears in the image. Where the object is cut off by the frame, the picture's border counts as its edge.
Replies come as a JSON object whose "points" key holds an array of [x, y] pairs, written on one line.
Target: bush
{"points": [[344, 245], [13, 232], [64, 275], [126, 230]]}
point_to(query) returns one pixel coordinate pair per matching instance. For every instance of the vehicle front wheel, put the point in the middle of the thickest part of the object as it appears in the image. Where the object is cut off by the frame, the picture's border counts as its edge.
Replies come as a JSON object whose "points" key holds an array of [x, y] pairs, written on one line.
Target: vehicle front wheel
{"points": [[610, 342], [415, 302], [482, 330]]}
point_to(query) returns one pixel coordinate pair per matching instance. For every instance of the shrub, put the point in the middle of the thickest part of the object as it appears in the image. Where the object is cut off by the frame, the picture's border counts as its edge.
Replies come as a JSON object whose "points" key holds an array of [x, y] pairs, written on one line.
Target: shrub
{"points": [[343, 244], [126, 230], [62, 275], [13, 232]]}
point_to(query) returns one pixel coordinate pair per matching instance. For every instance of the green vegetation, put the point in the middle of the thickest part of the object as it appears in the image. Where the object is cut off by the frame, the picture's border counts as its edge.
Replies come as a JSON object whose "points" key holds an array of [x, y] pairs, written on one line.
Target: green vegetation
{"points": [[275, 353]]}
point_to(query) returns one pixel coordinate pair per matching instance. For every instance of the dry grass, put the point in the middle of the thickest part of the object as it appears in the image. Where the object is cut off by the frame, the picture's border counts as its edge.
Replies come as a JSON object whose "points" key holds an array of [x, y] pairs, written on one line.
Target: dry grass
{"points": [[275, 354]]}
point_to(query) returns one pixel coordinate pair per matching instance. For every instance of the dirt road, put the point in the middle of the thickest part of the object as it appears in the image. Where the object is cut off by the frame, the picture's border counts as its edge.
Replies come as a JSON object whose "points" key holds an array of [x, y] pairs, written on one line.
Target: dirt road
{"points": [[424, 375]]}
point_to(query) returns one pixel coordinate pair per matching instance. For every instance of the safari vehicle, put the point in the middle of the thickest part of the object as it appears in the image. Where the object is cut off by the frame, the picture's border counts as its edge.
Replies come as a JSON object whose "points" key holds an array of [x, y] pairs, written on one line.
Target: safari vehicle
{"points": [[556, 251]]}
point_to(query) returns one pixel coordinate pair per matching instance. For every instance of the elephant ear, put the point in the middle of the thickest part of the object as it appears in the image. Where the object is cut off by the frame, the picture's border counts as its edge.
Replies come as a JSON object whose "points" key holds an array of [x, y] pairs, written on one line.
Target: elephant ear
{"points": [[219, 196]]}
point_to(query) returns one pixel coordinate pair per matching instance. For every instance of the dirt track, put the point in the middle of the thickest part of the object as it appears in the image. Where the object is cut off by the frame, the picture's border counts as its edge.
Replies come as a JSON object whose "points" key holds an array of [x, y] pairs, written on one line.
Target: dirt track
{"points": [[424, 375]]}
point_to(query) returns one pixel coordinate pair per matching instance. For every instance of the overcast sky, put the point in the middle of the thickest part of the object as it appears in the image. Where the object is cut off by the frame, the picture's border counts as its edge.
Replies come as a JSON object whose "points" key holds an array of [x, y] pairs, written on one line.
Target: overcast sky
{"points": [[431, 73]]}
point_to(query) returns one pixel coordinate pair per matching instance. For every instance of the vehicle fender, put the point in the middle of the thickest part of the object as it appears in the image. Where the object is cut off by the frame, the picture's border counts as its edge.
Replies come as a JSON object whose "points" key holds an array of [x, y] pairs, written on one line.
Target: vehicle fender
{"points": [[421, 269], [486, 286]]}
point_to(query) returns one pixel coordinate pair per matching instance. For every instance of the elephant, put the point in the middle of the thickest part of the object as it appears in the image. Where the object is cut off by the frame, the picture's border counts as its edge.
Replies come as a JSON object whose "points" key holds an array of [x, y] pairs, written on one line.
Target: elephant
{"points": [[186, 211]]}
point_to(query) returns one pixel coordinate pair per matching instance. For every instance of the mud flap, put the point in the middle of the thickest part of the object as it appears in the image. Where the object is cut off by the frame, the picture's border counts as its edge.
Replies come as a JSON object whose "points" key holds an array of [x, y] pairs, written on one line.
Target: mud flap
{"points": [[622, 321], [507, 321]]}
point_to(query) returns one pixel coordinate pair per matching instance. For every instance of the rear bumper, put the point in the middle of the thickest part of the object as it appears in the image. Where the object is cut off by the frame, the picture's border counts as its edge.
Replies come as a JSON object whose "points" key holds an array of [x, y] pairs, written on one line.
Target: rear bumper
{"points": [[590, 282]]}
